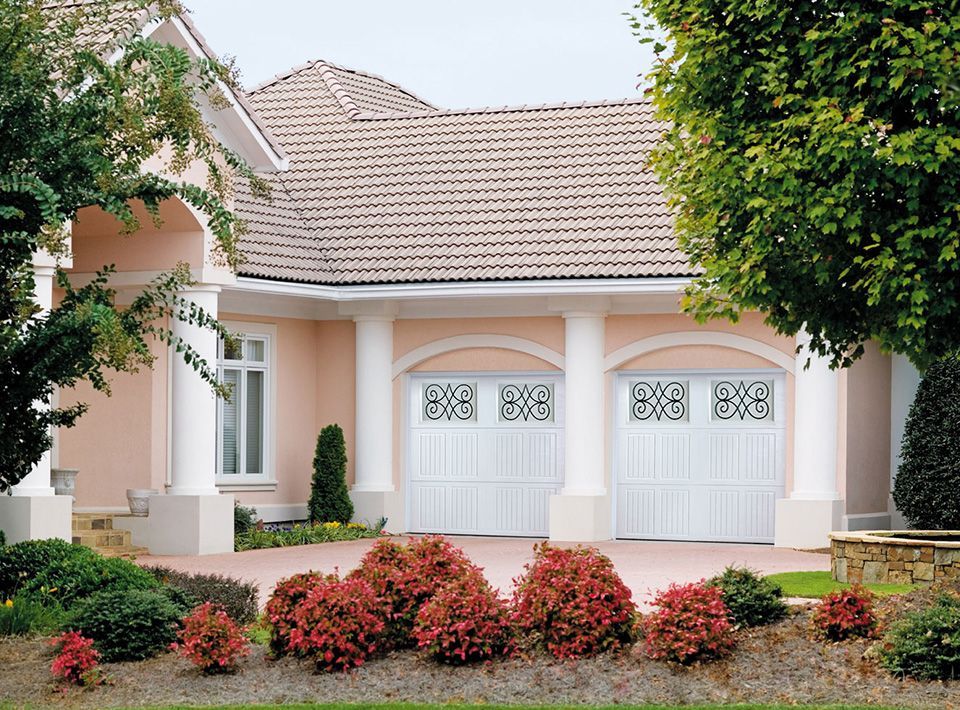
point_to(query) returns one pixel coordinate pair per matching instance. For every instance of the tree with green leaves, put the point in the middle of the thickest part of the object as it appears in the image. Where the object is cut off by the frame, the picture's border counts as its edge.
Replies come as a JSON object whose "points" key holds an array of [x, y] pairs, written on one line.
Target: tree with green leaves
{"points": [[85, 101], [329, 501], [811, 154]]}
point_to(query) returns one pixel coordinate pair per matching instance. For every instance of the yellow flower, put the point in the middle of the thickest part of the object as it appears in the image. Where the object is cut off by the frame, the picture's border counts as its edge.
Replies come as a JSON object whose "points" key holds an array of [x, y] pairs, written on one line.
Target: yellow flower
{"points": [[8, 603], [332, 524]]}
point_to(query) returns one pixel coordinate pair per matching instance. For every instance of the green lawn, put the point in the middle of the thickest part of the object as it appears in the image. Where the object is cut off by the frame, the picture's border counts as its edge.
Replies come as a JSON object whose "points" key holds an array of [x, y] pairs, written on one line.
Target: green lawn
{"points": [[815, 584]]}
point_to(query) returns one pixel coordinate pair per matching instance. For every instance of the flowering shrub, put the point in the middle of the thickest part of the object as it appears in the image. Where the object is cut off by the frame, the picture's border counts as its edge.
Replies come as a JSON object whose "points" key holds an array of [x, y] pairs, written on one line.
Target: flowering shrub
{"points": [[691, 623], [211, 640], [573, 603], [407, 576], [846, 613], [466, 621], [338, 623], [77, 661], [282, 605]]}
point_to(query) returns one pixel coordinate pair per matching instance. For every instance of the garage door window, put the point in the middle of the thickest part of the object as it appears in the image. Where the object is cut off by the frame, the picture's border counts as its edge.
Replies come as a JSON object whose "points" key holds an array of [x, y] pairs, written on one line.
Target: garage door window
{"points": [[660, 401], [449, 402], [741, 401], [526, 403]]}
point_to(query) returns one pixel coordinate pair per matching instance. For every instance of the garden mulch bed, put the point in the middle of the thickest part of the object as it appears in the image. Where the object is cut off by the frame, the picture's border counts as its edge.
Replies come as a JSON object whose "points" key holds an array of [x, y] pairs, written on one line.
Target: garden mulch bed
{"points": [[779, 663]]}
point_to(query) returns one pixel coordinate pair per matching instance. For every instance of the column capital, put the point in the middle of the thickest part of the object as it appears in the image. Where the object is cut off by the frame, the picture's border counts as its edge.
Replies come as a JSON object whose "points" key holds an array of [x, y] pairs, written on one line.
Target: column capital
{"points": [[199, 288], [369, 310], [374, 319], [579, 306]]}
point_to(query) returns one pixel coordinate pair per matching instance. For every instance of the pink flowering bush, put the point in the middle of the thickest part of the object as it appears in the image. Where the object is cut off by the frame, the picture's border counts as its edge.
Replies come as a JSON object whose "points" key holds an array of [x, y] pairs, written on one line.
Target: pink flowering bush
{"points": [[466, 621], [212, 640], [338, 623], [691, 623], [573, 603], [282, 604], [841, 615], [77, 661]]}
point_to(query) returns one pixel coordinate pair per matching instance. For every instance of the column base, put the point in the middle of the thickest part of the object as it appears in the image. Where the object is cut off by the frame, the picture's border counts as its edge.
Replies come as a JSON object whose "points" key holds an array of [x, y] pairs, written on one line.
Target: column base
{"points": [[190, 525], [370, 506], [579, 518], [805, 524], [36, 518]]}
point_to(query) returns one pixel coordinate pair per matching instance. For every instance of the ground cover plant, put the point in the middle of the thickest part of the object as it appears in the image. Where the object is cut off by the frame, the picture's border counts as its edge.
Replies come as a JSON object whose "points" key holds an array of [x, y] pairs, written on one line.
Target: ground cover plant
{"points": [[690, 623], [305, 534], [845, 614], [814, 585], [572, 603], [750, 599]]}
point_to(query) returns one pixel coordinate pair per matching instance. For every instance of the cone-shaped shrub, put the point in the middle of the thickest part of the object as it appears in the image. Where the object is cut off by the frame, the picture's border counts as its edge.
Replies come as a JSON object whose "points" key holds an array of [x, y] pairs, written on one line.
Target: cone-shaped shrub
{"points": [[928, 479], [466, 621], [329, 500], [573, 603]]}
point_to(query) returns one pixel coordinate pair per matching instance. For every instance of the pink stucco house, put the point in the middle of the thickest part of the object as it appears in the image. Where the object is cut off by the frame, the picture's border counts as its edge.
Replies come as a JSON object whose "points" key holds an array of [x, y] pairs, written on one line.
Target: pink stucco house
{"points": [[487, 300]]}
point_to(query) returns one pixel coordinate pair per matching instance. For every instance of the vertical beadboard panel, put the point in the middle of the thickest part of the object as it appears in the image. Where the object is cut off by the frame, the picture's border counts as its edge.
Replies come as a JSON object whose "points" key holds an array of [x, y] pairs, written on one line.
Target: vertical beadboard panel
{"points": [[674, 456], [760, 457], [509, 510], [463, 455], [674, 513], [538, 510], [724, 520], [433, 463], [432, 508], [637, 513], [639, 460], [462, 511], [724, 461], [508, 456], [758, 514], [542, 455]]}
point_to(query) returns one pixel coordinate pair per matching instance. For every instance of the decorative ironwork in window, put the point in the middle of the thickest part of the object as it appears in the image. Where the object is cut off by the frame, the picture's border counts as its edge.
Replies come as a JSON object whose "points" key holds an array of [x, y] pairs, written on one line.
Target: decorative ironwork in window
{"points": [[659, 401], [743, 400], [449, 401], [526, 402]]}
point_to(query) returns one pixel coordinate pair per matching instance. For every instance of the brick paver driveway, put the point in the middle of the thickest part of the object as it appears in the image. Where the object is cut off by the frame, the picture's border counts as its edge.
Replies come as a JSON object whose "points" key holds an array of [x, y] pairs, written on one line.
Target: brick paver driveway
{"points": [[644, 566]]}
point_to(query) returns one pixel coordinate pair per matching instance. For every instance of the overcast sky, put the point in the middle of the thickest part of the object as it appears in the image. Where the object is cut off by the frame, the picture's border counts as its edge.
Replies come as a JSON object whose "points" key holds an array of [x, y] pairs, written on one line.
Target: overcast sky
{"points": [[453, 53]]}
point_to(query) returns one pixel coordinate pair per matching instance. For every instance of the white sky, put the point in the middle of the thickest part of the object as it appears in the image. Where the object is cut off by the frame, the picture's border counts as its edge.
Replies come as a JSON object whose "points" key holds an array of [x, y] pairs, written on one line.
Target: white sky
{"points": [[453, 53]]}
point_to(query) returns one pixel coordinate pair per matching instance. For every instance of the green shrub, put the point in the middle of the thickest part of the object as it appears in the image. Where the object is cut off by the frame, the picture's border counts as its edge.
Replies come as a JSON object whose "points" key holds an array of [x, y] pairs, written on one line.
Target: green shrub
{"points": [[128, 625], [244, 519], [24, 614], [926, 644], [925, 490], [751, 599], [23, 562], [329, 501], [238, 598], [78, 576], [3, 539]]}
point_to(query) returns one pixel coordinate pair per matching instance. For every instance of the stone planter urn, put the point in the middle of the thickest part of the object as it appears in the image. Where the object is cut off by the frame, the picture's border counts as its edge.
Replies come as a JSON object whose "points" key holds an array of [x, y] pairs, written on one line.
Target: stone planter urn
{"points": [[64, 481], [139, 500]]}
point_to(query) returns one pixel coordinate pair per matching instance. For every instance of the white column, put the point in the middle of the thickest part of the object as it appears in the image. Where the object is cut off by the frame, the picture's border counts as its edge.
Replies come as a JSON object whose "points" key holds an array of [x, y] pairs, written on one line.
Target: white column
{"points": [[37, 482], [32, 511], [814, 508], [193, 404], [582, 510], [583, 390], [374, 402]]}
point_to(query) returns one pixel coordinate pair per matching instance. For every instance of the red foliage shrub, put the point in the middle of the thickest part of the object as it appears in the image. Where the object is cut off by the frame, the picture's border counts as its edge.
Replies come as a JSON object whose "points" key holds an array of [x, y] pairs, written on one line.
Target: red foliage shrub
{"points": [[212, 640], [283, 603], [691, 623], [847, 613], [77, 661], [464, 622], [338, 623], [573, 603], [407, 576]]}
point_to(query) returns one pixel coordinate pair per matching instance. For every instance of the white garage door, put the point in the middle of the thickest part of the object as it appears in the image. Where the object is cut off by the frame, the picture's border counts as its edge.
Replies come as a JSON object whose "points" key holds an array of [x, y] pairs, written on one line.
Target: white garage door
{"points": [[485, 453], [700, 455]]}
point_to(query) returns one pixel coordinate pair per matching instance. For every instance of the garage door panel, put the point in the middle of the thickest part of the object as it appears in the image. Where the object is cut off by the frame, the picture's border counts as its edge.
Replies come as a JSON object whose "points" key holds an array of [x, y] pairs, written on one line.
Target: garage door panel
{"points": [[431, 507], [509, 455], [508, 505], [462, 509], [542, 455], [432, 458], [714, 472], [463, 455]]}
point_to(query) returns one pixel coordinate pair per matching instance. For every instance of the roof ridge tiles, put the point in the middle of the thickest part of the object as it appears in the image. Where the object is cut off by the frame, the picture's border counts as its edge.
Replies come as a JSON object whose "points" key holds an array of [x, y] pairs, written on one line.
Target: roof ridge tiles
{"points": [[379, 115]]}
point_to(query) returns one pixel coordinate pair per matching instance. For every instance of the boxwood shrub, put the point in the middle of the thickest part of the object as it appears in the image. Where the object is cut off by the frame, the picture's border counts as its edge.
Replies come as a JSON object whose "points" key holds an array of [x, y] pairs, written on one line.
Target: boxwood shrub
{"points": [[238, 598], [925, 489], [926, 644], [751, 599], [128, 625]]}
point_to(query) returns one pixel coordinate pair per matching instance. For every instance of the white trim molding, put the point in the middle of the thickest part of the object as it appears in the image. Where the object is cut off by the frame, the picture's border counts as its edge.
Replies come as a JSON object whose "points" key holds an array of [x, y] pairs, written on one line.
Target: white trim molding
{"points": [[699, 337], [484, 340]]}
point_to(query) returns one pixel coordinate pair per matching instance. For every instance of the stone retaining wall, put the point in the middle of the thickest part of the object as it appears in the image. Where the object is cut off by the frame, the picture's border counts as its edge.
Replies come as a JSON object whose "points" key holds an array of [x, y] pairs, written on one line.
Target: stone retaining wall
{"points": [[880, 557]]}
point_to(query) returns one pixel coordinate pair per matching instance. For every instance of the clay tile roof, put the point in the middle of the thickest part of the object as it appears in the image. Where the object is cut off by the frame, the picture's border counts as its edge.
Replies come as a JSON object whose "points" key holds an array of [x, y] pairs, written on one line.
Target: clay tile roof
{"points": [[392, 190]]}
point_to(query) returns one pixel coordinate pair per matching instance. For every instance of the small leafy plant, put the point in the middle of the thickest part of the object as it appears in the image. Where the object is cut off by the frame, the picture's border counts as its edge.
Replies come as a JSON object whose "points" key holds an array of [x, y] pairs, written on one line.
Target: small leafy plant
{"points": [[845, 614], [691, 623], [926, 644], [338, 623], [244, 518], [211, 640], [238, 598], [308, 534], [77, 661], [24, 614], [573, 603], [751, 599], [466, 621]]}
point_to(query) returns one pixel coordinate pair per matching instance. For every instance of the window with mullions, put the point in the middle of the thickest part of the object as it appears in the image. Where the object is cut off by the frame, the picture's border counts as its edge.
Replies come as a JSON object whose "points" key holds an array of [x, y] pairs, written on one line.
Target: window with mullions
{"points": [[241, 450]]}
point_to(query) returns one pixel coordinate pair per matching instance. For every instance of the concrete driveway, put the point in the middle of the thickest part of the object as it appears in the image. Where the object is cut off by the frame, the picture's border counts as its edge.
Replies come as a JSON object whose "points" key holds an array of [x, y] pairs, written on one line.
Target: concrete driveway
{"points": [[644, 566]]}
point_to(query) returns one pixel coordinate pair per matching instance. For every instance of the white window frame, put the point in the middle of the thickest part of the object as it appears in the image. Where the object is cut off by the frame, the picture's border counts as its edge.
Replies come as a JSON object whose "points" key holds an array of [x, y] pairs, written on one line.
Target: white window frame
{"points": [[266, 480]]}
